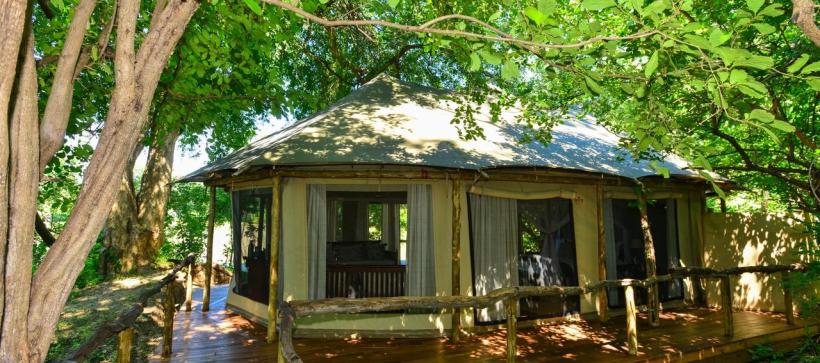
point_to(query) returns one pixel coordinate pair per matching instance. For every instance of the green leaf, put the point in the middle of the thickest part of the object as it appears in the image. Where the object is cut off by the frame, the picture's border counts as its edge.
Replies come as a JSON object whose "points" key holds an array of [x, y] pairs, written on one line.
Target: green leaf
{"points": [[717, 37], [698, 41], [393, 3], [772, 10], [738, 76], [814, 67], [535, 15], [254, 6], [59, 4], [490, 57], [656, 7], [547, 6], [95, 54], [597, 4], [475, 62], [799, 63], [764, 28], [814, 83], [509, 71], [755, 61], [783, 126], [761, 115], [754, 5], [651, 65], [593, 86]]}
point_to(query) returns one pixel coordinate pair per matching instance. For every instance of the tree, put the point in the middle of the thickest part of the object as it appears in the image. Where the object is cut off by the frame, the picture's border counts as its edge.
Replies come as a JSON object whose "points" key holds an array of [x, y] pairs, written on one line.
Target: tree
{"points": [[32, 304]]}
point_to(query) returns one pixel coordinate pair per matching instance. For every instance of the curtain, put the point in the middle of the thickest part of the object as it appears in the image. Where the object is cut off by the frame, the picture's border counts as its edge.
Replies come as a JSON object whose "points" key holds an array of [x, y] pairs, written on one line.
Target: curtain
{"points": [[611, 251], [317, 240], [390, 226], [420, 258], [494, 227]]}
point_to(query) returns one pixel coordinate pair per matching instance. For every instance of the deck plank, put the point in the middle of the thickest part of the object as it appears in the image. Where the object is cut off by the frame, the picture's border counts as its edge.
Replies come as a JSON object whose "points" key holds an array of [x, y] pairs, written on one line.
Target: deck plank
{"points": [[684, 335]]}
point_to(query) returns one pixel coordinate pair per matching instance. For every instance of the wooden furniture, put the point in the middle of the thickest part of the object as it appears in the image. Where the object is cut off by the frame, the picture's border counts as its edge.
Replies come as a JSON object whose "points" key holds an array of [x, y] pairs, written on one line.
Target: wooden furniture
{"points": [[365, 281]]}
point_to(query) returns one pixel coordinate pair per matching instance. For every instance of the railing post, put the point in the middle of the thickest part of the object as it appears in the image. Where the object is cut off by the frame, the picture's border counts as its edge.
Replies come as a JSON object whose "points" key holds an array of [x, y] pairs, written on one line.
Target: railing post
{"points": [[456, 254], [124, 339], [209, 251], [189, 287], [653, 303], [273, 287], [168, 319], [631, 320], [788, 308], [601, 297], [512, 319], [726, 297]]}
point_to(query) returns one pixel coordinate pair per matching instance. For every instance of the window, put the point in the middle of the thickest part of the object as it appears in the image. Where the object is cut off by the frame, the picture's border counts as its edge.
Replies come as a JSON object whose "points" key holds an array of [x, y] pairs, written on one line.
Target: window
{"points": [[546, 255], [366, 244], [626, 255], [251, 243]]}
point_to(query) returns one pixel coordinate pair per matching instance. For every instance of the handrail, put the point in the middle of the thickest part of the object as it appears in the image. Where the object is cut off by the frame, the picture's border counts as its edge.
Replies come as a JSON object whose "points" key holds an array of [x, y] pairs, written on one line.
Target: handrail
{"points": [[126, 320], [290, 310]]}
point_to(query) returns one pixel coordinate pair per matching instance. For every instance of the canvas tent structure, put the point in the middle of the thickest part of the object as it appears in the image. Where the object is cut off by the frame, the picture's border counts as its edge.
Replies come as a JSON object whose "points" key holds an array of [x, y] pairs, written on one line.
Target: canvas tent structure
{"points": [[379, 195]]}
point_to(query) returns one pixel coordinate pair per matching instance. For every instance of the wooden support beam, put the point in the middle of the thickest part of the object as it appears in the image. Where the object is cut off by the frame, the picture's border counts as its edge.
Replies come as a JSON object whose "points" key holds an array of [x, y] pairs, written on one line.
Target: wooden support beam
{"points": [[512, 319], [209, 251], [456, 256], [603, 312], [189, 287], [124, 340], [273, 295], [168, 305], [788, 307], [631, 320], [649, 249], [726, 306]]}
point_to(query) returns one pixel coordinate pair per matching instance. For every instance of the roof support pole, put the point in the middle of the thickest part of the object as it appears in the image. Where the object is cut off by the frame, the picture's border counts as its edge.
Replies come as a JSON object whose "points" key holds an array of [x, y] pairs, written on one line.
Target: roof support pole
{"points": [[276, 217], [603, 313], [209, 250], [456, 267], [649, 249]]}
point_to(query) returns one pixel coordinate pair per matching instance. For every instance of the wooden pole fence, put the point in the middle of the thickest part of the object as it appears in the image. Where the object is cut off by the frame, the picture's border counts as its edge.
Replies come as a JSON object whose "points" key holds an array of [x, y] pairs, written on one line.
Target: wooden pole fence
{"points": [[124, 340], [209, 250], [291, 310], [126, 320]]}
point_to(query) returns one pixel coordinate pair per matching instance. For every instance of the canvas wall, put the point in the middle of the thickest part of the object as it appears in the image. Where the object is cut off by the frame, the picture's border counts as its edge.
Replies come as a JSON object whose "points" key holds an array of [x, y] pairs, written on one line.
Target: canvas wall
{"points": [[752, 239]]}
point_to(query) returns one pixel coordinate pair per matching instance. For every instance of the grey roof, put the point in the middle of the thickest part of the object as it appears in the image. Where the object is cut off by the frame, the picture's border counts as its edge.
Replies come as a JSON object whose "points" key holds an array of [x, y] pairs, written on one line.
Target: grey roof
{"points": [[390, 122]]}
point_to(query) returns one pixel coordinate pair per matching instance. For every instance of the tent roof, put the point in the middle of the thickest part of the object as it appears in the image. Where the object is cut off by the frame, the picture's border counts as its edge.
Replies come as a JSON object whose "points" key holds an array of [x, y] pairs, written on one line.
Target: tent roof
{"points": [[390, 122]]}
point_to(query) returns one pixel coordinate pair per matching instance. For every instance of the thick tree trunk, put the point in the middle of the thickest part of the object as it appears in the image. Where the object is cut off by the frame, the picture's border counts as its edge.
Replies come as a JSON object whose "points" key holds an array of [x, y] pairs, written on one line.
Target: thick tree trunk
{"points": [[121, 220], [24, 177], [135, 226], [137, 75], [12, 20]]}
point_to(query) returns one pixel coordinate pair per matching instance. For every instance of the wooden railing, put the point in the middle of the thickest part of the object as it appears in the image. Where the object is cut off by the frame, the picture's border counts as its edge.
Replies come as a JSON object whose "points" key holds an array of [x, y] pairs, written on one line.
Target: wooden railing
{"points": [[123, 325], [290, 311], [364, 281]]}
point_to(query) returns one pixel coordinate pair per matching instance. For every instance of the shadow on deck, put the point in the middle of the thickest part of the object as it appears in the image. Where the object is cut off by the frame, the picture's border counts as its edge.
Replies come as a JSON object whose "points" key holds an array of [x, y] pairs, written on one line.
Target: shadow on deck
{"points": [[684, 334]]}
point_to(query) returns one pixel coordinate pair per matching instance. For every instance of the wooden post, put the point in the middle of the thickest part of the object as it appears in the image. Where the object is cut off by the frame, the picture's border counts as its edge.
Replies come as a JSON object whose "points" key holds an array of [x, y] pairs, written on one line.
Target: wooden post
{"points": [[274, 257], [631, 321], [726, 297], [209, 251], [456, 267], [603, 312], [788, 307], [512, 319], [124, 339], [189, 287], [649, 248], [168, 319]]}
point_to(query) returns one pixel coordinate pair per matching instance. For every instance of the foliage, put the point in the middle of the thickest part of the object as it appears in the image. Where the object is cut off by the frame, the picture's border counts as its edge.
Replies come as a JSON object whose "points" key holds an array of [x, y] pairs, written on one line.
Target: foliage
{"points": [[187, 219]]}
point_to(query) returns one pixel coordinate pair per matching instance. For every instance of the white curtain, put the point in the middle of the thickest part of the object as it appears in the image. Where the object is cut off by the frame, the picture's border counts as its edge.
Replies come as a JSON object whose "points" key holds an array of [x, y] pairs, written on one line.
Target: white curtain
{"points": [[390, 226], [420, 258], [317, 240], [494, 227]]}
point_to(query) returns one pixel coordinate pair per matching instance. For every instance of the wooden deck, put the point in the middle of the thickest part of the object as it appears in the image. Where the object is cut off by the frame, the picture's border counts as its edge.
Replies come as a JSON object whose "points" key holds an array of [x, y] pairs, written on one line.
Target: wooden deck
{"points": [[686, 334]]}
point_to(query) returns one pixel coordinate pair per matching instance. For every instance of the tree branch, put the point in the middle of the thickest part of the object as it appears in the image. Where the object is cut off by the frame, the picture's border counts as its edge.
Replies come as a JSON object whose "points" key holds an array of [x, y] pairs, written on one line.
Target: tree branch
{"points": [[43, 231], [58, 106], [427, 28]]}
